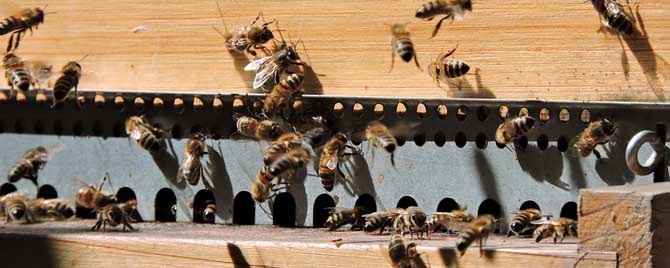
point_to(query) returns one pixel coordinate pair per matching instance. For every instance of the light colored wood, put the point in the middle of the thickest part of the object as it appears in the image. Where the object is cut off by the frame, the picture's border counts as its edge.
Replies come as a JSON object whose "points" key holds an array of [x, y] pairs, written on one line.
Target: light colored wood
{"points": [[631, 220], [525, 49], [188, 245]]}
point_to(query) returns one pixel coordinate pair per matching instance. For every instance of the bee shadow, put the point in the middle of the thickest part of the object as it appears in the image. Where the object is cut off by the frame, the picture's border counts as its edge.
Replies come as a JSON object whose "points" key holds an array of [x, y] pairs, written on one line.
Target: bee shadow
{"points": [[359, 180], [222, 186], [576, 173], [544, 165], [299, 194], [240, 60], [461, 88], [236, 255], [449, 257], [41, 254], [612, 168], [486, 176], [168, 164], [312, 84]]}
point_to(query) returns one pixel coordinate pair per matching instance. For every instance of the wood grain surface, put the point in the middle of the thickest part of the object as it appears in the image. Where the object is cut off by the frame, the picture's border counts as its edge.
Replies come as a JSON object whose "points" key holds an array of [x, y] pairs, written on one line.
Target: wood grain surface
{"points": [[524, 49], [71, 245]]}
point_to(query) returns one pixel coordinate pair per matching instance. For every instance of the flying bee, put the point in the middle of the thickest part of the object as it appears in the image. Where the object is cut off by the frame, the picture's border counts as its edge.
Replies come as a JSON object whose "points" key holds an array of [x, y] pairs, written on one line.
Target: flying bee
{"points": [[617, 19], [247, 38], [478, 229], [265, 186], [114, 214], [441, 68], [69, 80], [18, 77], [521, 223], [191, 168], [282, 93], [557, 229], [329, 164], [15, 207], [209, 212], [450, 221], [597, 133], [249, 127], [50, 209], [286, 142], [290, 162], [92, 197], [31, 162], [271, 67], [513, 129], [380, 136], [448, 8], [19, 23], [341, 216], [147, 136], [380, 220], [402, 45], [412, 219], [40, 73], [400, 253]]}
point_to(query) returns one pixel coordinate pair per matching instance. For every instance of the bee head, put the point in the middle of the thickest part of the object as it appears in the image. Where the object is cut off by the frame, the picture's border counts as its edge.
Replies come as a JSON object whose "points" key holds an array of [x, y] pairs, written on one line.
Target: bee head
{"points": [[259, 191], [68, 213], [39, 14], [291, 54], [341, 137], [72, 68], [17, 212], [608, 127], [422, 13], [467, 5], [530, 122], [419, 219], [115, 214], [516, 227]]}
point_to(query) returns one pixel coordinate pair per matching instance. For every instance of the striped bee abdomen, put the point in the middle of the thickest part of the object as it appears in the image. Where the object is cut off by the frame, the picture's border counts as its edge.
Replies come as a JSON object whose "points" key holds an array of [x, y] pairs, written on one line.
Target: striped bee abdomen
{"points": [[616, 19], [456, 68], [431, 9], [9, 25], [388, 143], [149, 141], [405, 49], [19, 78], [523, 124], [465, 239], [63, 86]]}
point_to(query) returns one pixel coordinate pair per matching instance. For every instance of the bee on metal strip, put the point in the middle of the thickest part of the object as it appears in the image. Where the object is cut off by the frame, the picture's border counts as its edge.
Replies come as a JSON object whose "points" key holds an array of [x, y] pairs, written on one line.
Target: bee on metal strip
{"points": [[191, 167], [68, 81], [597, 133], [331, 157], [146, 135], [17, 75]]}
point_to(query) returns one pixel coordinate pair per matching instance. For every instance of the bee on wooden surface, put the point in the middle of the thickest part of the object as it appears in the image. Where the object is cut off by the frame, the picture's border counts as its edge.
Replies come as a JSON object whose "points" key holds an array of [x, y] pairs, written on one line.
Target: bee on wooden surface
{"points": [[18, 77], [15, 208], [282, 93], [19, 23], [450, 221], [69, 79], [114, 214], [92, 197], [265, 186], [147, 136], [9, 196], [332, 154], [271, 67], [286, 142], [617, 19], [380, 220], [479, 229], [209, 212], [443, 69], [558, 229], [31, 162], [290, 162], [402, 45], [513, 129], [400, 253], [597, 133], [191, 168], [380, 136], [448, 8], [341, 216], [521, 223], [50, 209], [247, 38], [413, 219], [249, 127], [40, 73]]}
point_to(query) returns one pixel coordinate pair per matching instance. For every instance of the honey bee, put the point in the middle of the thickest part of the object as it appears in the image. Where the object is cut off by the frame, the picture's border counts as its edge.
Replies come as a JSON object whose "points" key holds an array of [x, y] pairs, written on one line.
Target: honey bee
{"points": [[265, 186], [617, 19], [209, 212], [380, 220], [557, 229], [450, 221], [18, 77], [40, 73], [286, 142], [92, 197], [191, 168], [247, 38], [402, 45], [401, 253], [449, 8], [341, 216], [9, 196], [513, 129], [282, 93], [289, 162], [412, 219], [114, 214], [50, 209], [597, 133], [329, 164], [521, 223], [380, 136], [31, 162], [271, 67], [249, 127], [147, 136], [478, 229], [19, 23], [441, 68], [15, 208], [69, 80]]}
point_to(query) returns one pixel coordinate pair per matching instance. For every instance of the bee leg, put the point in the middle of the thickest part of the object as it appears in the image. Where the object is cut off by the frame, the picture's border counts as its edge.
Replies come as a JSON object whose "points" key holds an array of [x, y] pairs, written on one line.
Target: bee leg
{"points": [[439, 24], [596, 153], [251, 51], [416, 60], [11, 42], [392, 53], [393, 160], [18, 39]]}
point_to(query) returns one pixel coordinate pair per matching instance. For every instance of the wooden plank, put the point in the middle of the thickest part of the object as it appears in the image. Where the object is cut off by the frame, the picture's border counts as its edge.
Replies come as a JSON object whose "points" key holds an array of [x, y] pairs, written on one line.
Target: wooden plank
{"points": [[70, 244], [525, 49], [631, 220]]}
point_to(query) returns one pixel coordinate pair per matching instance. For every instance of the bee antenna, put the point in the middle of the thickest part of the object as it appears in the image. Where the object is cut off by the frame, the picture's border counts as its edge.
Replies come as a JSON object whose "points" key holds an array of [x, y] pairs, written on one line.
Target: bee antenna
{"points": [[45, 7], [82, 58], [218, 7]]}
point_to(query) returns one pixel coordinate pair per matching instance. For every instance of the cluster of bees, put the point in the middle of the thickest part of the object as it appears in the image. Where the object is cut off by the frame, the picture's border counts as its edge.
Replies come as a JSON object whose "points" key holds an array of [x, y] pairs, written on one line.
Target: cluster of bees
{"points": [[397, 221]]}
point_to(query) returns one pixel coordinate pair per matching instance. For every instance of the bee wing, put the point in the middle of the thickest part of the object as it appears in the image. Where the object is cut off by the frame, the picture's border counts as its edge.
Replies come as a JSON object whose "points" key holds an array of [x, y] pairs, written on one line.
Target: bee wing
{"points": [[135, 133], [257, 64], [404, 129], [573, 151], [332, 162], [542, 221], [268, 72], [54, 149]]}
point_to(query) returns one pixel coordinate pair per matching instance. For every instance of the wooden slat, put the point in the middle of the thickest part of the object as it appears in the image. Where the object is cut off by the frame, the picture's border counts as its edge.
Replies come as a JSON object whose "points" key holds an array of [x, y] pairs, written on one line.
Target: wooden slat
{"points": [[525, 49], [189, 245]]}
